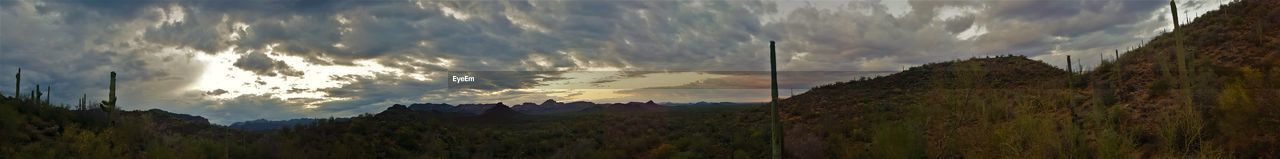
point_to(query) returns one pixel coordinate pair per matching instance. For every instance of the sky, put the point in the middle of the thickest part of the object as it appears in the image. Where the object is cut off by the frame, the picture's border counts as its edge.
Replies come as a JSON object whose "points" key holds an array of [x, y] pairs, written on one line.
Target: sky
{"points": [[238, 60]]}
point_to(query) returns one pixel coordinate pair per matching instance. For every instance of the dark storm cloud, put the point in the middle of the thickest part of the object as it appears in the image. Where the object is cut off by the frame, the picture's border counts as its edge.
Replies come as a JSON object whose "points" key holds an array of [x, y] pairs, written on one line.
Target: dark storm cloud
{"points": [[640, 34], [216, 92], [249, 107], [867, 37], [368, 93], [261, 64], [72, 45], [959, 24], [1067, 27]]}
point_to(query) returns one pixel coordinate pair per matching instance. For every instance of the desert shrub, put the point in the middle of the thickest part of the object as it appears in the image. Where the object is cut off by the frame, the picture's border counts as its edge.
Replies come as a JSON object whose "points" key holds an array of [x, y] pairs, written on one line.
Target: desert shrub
{"points": [[1246, 123], [900, 139], [1181, 129], [1105, 93], [1160, 87], [1235, 106], [1209, 150], [1114, 144], [1034, 135]]}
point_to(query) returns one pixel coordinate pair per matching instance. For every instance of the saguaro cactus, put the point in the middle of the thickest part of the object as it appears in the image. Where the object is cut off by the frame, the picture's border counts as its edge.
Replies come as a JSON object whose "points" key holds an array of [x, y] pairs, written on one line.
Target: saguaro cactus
{"points": [[1079, 67], [17, 85], [38, 95], [113, 89], [776, 125], [1070, 95], [1182, 58], [82, 100], [48, 90], [1070, 72], [1069, 64], [110, 104]]}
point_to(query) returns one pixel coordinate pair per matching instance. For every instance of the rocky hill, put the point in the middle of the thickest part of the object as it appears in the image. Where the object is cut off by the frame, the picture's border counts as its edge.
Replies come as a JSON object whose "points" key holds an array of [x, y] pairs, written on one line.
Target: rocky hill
{"points": [[1221, 102], [1139, 106]]}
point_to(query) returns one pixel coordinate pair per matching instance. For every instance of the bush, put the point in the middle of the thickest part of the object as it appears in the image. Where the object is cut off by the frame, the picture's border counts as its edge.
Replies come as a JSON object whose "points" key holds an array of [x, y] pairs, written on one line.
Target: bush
{"points": [[901, 139], [1114, 144]]}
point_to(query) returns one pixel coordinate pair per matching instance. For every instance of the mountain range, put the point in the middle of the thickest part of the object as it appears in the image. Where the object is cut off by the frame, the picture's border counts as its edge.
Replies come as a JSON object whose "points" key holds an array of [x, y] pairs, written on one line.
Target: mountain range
{"points": [[1218, 103]]}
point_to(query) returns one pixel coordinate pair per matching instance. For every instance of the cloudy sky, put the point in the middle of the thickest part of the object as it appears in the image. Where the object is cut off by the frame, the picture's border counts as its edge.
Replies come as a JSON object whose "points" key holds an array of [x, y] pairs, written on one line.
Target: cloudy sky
{"points": [[236, 60]]}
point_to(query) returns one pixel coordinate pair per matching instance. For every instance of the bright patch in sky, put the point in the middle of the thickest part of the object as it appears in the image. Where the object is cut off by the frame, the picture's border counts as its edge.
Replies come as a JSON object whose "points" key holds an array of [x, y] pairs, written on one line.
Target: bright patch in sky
{"points": [[897, 8], [974, 31], [221, 73], [454, 13], [597, 85]]}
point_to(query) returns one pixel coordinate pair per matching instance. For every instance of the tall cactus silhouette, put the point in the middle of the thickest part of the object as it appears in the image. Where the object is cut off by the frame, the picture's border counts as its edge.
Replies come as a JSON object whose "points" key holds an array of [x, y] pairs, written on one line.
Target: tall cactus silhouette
{"points": [[38, 94], [1117, 74], [110, 104], [1069, 64], [17, 85], [48, 90], [1070, 73], [113, 90], [82, 100], [1071, 95], [1079, 66], [1182, 58], [776, 125]]}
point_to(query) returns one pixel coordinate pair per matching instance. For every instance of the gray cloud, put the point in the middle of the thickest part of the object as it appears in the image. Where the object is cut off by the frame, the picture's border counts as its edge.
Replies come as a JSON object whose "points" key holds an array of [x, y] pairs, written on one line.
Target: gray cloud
{"points": [[73, 45], [374, 93], [249, 107], [261, 64], [695, 95], [216, 92]]}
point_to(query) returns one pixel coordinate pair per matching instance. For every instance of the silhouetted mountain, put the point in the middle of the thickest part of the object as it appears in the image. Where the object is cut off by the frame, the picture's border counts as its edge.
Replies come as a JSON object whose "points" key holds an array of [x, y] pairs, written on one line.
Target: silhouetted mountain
{"points": [[548, 107], [498, 112], [634, 107], [442, 107], [550, 102], [164, 116], [263, 124], [552, 107], [1002, 107], [479, 109], [1135, 106], [712, 104]]}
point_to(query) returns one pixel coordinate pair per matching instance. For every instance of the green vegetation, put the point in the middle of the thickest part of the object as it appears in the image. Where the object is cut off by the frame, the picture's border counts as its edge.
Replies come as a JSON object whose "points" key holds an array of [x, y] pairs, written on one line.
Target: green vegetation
{"points": [[1150, 103], [33, 129]]}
